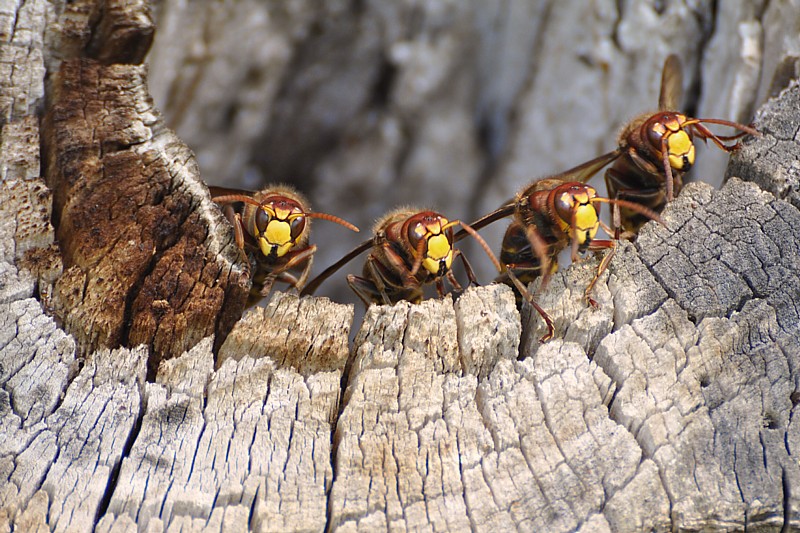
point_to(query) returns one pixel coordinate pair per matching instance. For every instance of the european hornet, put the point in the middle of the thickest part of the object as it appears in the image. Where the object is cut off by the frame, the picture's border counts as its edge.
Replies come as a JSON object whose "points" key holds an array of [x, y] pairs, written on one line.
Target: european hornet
{"points": [[657, 149], [410, 249], [271, 227], [548, 216]]}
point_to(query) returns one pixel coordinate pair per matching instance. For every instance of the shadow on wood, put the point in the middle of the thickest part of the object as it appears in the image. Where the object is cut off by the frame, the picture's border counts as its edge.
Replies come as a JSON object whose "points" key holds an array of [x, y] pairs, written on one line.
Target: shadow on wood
{"points": [[671, 406]]}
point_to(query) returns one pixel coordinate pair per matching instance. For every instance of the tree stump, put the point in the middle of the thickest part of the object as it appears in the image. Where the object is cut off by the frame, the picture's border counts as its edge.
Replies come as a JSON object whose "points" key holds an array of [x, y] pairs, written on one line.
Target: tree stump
{"points": [[132, 397]]}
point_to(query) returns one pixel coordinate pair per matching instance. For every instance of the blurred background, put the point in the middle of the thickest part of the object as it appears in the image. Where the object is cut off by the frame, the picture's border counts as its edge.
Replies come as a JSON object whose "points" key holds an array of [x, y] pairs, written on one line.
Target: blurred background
{"points": [[453, 105]]}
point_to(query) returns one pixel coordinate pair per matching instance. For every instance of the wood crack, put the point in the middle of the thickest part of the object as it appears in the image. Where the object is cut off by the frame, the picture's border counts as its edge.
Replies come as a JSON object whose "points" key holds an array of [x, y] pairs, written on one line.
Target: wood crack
{"points": [[648, 413]]}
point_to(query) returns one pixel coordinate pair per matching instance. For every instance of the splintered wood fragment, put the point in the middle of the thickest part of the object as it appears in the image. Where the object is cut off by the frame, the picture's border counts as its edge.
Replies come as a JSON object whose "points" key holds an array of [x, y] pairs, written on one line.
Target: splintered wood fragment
{"points": [[564, 300], [724, 248], [24, 199], [22, 58], [36, 361], [248, 445], [577, 454], [488, 330], [162, 456], [26, 235], [147, 256], [308, 335], [19, 150], [410, 419], [396, 388], [27, 256], [29, 260], [634, 289]]}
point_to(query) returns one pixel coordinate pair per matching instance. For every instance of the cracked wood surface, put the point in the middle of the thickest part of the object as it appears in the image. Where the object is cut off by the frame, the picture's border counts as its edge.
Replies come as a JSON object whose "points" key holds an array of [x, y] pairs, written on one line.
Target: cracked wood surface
{"points": [[144, 262], [668, 407], [246, 445], [680, 417]]}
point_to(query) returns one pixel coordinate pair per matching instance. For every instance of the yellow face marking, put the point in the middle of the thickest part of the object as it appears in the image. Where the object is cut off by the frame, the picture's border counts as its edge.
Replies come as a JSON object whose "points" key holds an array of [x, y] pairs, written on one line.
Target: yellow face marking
{"points": [[278, 233], [576, 207], [439, 250], [586, 221], [438, 247], [267, 247], [282, 213], [585, 213], [680, 145], [432, 265]]}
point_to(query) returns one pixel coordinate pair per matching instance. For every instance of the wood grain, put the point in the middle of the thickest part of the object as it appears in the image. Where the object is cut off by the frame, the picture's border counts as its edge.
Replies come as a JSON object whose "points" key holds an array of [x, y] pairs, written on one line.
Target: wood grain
{"points": [[668, 407], [137, 230]]}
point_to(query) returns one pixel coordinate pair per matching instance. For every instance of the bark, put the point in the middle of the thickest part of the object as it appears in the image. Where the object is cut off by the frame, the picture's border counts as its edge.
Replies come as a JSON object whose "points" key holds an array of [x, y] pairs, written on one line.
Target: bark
{"points": [[130, 400], [143, 261]]}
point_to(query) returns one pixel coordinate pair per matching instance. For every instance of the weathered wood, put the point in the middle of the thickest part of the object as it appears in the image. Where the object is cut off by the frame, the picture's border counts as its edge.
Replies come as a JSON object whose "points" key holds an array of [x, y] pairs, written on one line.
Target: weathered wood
{"points": [[112, 31], [691, 403], [706, 382], [22, 52], [25, 206], [308, 335], [57, 468], [771, 161], [143, 260], [422, 443], [410, 423], [65, 422], [124, 32], [248, 444], [668, 407], [26, 238]]}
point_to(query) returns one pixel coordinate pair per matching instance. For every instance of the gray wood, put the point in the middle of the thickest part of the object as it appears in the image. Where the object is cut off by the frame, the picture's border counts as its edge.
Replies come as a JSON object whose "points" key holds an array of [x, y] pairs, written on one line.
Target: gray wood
{"points": [[410, 439], [770, 161], [248, 444], [57, 468], [669, 407], [706, 383], [531, 446]]}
